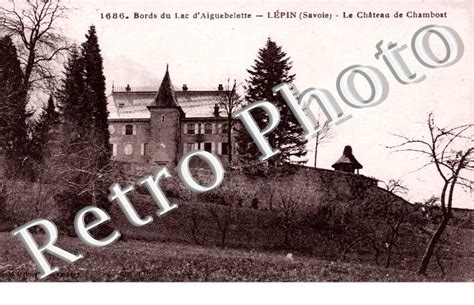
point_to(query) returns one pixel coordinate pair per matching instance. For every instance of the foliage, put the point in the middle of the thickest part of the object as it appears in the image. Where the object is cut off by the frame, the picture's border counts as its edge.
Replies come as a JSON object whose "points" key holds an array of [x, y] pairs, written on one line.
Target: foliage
{"points": [[44, 133], [272, 67], [13, 115], [95, 94]]}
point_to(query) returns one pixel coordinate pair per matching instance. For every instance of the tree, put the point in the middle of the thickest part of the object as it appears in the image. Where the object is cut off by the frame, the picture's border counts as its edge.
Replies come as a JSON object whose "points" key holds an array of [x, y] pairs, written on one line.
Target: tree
{"points": [[390, 216], [271, 68], [13, 116], [290, 205], [79, 163], [224, 218], [449, 151], [323, 136], [76, 111], [75, 160], [42, 135], [34, 26], [230, 101], [95, 83]]}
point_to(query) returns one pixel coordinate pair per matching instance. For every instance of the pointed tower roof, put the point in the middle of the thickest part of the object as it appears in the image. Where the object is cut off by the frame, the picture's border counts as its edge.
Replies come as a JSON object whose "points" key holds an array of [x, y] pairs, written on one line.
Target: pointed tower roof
{"points": [[166, 96], [347, 162]]}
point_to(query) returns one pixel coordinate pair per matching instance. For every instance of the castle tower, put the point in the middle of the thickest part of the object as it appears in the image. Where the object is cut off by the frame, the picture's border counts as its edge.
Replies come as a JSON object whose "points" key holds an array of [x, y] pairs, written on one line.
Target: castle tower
{"points": [[165, 117]]}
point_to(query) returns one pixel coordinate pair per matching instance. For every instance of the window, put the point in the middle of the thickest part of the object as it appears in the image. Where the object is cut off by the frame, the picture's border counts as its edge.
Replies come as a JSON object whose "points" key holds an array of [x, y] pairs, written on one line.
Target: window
{"points": [[208, 128], [128, 129], [190, 128], [208, 147], [189, 146], [148, 130], [224, 148], [113, 148], [128, 149], [225, 128], [144, 149], [162, 118]]}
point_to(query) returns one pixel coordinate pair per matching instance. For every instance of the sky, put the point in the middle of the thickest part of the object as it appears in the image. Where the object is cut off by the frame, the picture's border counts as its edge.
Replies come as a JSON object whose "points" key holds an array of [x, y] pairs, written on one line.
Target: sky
{"points": [[204, 53]]}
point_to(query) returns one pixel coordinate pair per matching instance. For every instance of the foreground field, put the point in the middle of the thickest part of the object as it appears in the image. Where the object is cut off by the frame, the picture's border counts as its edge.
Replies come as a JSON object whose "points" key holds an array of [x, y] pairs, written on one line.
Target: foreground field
{"points": [[337, 227], [156, 261]]}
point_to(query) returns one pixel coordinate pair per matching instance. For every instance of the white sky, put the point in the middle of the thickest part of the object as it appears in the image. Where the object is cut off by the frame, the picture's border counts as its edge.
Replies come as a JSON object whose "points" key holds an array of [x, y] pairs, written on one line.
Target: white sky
{"points": [[204, 53]]}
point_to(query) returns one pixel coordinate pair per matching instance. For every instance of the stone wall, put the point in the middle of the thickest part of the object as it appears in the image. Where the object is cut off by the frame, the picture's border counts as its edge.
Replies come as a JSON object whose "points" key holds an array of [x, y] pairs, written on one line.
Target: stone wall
{"points": [[138, 138], [165, 135]]}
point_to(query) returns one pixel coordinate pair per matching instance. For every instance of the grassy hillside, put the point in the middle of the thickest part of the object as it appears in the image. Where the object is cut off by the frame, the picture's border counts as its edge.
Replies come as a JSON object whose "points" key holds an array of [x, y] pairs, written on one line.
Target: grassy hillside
{"points": [[328, 221], [156, 261]]}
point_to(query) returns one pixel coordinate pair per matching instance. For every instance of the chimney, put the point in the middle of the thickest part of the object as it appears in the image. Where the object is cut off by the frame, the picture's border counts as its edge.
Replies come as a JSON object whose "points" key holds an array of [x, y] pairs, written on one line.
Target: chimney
{"points": [[128, 89], [216, 110], [185, 87], [220, 87]]}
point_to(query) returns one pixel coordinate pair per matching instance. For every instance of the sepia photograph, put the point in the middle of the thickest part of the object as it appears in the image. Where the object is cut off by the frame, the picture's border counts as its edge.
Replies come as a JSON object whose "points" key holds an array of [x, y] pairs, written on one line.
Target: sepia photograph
{"points": [[236, 141]]}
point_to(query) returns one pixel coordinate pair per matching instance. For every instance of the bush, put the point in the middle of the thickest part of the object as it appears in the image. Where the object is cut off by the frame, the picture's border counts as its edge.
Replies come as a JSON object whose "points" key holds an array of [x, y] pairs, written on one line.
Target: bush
{"points": [[173, 188], [23, 201], [3, 201], [228, 193]]}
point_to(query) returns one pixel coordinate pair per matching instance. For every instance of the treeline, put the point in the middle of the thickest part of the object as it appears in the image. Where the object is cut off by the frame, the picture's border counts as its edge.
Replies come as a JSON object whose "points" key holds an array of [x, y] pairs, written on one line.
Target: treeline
{"points": [[68, 143]]}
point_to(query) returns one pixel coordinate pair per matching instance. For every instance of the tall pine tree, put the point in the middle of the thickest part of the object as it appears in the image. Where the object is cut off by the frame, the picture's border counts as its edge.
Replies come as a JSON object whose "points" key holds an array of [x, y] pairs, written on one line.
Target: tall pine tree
{"points": [[95, 82], [84, 153], [44, 133], [74, 162], [271, 68], [13, 114], [75, 108]]}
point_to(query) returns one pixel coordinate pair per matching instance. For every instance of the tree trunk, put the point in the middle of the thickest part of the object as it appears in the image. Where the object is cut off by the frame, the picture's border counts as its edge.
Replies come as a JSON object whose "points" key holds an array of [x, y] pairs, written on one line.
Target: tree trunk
{"points": [[229, 140], [389, 256], [316, 150], [432, 245]]}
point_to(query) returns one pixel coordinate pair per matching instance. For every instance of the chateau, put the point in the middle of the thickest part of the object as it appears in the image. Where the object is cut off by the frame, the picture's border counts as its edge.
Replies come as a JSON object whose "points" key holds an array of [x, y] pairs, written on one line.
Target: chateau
{"points": [[158, 127]]}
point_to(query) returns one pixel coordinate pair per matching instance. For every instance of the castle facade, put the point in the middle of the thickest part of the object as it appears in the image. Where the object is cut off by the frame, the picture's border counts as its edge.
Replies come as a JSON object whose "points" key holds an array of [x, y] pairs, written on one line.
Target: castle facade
{"points": [[158, 127]]}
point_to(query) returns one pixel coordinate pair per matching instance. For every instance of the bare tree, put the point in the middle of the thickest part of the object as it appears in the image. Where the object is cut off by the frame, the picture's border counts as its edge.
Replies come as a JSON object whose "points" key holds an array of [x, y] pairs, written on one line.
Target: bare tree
{"points": [[291, 204], [398, 214], [230, 102], [323, 136], [224, 218], [197, 234], [34, 26], [449, 151]]}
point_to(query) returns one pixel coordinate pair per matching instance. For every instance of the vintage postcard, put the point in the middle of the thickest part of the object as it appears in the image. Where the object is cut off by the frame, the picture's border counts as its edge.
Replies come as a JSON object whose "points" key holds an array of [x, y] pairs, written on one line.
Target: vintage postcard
{"points": [[236, 141]]}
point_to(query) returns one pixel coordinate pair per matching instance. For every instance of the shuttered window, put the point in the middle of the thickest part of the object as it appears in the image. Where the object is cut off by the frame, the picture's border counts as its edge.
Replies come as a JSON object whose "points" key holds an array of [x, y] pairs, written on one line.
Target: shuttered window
{"points": [[128, 149]]}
